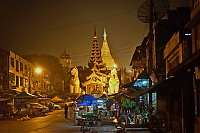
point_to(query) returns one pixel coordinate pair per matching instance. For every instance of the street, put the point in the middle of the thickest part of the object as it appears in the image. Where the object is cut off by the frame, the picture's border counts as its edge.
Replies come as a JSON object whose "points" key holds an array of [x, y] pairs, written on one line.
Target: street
{"points": [[53, 122]]}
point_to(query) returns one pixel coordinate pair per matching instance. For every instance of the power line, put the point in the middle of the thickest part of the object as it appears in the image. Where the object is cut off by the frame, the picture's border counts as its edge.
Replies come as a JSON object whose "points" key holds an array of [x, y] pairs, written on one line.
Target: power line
{"points": [[73, 25]]}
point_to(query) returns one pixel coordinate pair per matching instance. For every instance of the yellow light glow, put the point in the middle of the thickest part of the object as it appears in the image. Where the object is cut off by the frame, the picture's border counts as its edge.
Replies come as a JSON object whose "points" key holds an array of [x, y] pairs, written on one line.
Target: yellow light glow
{"points": [[115, 66], [38, 70]]}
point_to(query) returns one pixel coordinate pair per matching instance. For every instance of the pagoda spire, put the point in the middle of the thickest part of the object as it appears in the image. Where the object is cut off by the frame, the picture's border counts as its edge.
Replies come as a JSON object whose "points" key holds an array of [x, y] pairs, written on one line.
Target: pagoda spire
{"points": [[105, 53], [95, 57]]}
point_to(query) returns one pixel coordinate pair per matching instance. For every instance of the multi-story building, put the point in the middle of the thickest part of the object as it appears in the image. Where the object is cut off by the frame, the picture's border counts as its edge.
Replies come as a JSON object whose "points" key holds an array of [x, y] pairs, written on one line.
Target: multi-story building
{"points": [[182, 55], [172, 72], [17, 75], [193, 63]]}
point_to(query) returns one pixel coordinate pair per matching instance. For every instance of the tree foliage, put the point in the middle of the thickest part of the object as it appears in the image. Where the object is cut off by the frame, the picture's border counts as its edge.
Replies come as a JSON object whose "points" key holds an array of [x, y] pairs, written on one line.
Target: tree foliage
{"points": [[127, 103], [48, 61]]}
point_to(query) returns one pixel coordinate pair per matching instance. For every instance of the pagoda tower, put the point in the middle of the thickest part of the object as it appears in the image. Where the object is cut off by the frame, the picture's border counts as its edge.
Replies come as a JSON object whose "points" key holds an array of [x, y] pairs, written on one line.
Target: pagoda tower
{"points": [[95, 62], [65, 59], [105, 53]]}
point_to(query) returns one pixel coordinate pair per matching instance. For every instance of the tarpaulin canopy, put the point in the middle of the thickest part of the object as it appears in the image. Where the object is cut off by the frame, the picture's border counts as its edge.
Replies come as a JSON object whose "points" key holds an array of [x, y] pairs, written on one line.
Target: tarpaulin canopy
{"points": [[4, 99], [24, 95], [38, 95], [57, 99], [86, 100], [103, 97]]}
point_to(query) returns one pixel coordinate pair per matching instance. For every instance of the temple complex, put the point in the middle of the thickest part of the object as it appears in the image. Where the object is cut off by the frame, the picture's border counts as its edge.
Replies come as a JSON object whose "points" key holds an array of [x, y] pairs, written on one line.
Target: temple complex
{"points": [[103, 77]]}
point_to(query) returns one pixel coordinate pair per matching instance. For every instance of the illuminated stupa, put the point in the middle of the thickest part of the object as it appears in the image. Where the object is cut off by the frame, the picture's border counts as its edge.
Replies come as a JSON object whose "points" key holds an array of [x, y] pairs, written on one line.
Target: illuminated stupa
{"points": [[102, 77], [105, 53]]}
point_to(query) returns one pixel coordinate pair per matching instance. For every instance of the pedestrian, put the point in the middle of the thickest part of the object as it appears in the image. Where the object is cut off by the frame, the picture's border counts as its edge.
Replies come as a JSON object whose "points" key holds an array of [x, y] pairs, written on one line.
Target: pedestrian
{"points": [[71, 112], [66, 111]]}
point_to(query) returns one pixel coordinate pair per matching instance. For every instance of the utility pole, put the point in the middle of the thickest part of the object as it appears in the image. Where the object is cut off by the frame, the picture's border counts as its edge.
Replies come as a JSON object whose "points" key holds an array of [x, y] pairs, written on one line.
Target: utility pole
{"points": [[150, 50]]}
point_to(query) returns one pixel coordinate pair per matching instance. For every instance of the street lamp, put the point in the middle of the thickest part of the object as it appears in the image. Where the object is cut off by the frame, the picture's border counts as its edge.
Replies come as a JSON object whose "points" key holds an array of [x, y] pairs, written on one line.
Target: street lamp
{"points": [[38, 70]]}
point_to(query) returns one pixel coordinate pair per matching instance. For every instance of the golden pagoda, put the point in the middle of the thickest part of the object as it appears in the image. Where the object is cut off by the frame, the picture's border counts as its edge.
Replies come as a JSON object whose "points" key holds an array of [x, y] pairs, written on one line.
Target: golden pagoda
{"points": [[105, 53], [101, 79]]}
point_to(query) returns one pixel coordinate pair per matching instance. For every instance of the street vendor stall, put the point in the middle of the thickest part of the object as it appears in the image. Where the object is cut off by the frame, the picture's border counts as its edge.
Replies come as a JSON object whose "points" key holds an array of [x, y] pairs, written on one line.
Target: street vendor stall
{"points": [[24, 97], [85, 109], [22, 102]]}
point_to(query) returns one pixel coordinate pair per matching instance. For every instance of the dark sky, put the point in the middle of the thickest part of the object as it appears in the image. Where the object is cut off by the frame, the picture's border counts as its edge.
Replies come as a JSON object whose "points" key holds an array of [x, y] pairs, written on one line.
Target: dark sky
{"points": [[50, 26]]}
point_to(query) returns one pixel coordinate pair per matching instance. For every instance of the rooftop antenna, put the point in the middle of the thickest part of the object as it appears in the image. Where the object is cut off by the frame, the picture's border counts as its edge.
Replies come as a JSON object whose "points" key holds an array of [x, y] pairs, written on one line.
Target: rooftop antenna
{"points": [[156, 9]]}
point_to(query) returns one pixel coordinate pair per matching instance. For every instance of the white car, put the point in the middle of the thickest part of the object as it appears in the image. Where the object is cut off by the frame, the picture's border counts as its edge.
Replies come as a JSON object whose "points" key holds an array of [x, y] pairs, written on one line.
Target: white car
{"points": [[57, 107], [40, 107]]}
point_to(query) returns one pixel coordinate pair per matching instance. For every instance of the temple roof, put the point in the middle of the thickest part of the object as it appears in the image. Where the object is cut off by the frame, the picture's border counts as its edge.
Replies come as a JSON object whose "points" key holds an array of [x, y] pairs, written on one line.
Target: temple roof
{"points": [[95, 57], [65, 55]]}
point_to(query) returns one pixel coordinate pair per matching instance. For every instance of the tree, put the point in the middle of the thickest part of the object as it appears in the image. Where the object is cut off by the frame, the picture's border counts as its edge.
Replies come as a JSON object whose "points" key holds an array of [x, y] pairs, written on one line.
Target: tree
{"points": [[128, 104]]}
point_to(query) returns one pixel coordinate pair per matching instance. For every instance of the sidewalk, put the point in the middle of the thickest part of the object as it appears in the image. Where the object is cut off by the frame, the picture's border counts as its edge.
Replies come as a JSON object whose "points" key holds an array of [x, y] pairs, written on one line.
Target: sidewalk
{"points": [[108, 126]]}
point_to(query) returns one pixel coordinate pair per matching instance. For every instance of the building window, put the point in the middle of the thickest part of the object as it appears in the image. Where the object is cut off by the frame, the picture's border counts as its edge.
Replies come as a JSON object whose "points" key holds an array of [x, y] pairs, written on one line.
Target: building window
{"points": [[21, 81], [12, 78], [12, 62], [17, 65], [17, 81], [21, 66], [26, 70]]}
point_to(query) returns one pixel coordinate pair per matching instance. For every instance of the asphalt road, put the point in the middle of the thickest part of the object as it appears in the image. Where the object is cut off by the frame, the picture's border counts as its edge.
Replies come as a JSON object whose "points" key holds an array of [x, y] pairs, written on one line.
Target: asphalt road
{"points": [[53, 122]]}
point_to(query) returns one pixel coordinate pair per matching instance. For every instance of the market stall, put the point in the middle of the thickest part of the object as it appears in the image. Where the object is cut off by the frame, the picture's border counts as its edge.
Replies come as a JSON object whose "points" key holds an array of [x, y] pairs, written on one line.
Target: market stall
{"points": [[86, 109]]}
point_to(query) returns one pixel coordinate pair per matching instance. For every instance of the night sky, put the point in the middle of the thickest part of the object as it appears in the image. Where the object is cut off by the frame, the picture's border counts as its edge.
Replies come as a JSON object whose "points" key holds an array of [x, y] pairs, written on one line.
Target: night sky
{"points": [[50, 26]]}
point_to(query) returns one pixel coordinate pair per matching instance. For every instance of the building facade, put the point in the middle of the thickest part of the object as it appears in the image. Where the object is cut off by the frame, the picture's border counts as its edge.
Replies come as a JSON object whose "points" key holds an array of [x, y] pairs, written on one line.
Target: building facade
{"points": [[17, 75], [172, 73]]}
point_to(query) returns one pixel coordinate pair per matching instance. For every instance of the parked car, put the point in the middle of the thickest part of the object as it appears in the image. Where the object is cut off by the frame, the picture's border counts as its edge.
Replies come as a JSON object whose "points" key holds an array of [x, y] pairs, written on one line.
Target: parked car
{"points": [[57, 107], [39, 107]]}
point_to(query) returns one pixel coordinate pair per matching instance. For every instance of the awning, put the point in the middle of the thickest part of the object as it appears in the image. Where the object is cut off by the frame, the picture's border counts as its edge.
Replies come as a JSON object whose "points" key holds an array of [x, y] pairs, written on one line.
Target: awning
{"points": [[4, 99], [128, 85], [163, 84], [24, 95], [133, 95], [142, 75], [38, 95]]}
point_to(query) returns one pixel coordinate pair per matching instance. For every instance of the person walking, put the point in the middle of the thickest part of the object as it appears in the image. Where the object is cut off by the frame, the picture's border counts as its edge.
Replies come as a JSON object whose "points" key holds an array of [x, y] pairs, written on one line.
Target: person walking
{"points": [[66, 111], [71, 111]]}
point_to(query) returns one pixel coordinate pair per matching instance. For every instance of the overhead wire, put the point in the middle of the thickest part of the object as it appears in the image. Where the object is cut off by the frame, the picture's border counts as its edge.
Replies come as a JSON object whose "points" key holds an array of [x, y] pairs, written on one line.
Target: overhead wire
{"points": [[73, 25]]}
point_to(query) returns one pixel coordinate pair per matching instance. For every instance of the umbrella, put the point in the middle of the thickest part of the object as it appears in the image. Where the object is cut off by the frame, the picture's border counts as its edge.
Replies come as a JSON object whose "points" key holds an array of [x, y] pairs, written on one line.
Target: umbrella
{"points": [[86, 100]]}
